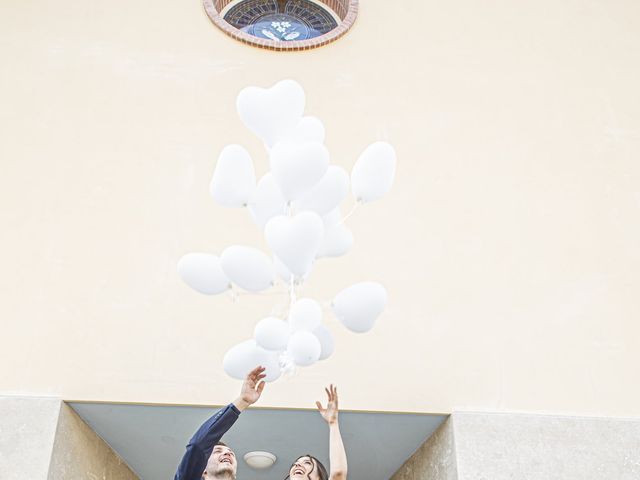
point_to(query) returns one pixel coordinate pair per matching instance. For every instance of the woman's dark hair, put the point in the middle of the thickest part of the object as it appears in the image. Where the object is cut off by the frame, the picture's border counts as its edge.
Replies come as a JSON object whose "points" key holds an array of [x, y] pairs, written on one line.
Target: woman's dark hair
{"points": [[322, 472]]}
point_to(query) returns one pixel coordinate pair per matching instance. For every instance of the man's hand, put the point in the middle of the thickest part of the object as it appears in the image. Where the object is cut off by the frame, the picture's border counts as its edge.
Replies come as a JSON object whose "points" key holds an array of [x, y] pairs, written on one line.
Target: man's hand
{"points": [[252, 388], [330, 413]]}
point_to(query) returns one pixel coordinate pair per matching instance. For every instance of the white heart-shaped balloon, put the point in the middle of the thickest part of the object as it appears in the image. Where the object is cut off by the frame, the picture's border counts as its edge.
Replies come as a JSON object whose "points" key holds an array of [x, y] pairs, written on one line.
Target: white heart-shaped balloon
{"points": [[359, 305], [267, 201], [285, 274], [304, 348], [297, 167], [271, 112], [332, 219], [244, 357], [373, 172], [327, 194], [295, 240], [203, 273], [327, 344], [272, 333], [248, 267], [337, 239], [305, 314], [234, 178], [309, 129]]}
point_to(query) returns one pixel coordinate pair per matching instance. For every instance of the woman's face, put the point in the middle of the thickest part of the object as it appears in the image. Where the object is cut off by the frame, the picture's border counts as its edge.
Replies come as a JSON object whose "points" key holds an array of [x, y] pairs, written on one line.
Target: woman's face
{"points": [[304, 468]]}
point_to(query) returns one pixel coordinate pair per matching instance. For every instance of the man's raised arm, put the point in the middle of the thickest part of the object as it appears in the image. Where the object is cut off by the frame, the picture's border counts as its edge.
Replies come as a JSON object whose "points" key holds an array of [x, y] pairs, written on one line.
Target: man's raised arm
{"points": [[201, 444]]}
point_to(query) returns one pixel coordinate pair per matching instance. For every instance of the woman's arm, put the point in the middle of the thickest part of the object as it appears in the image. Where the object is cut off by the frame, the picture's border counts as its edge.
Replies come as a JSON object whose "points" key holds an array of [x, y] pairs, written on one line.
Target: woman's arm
{"points": [[337, 454]]}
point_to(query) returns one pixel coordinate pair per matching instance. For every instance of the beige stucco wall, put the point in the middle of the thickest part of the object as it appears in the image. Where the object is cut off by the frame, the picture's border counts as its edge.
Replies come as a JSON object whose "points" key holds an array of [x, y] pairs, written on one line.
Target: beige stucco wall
{"points": [[436, 459], [509, 244], [79, 453]]}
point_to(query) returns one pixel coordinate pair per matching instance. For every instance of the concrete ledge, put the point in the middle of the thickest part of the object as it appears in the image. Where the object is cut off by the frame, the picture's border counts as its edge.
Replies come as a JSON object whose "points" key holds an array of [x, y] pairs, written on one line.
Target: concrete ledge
{"points": [[41, 438], [506, 446], [435, 459], [27, 432]]}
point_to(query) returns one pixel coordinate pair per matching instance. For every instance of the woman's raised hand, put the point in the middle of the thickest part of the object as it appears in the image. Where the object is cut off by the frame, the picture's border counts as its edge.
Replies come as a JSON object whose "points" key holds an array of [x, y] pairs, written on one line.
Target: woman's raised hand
{"points": [[330, 412]]}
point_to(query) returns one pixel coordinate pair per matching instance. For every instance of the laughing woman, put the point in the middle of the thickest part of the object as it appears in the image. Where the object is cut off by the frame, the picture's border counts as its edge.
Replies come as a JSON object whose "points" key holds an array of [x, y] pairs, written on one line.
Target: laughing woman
{"points": [[308, 467]]}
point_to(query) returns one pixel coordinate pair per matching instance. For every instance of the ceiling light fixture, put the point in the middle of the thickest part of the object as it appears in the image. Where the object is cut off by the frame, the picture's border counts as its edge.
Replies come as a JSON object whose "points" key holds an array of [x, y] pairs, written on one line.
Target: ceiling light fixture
{"points": [[260, 460]]}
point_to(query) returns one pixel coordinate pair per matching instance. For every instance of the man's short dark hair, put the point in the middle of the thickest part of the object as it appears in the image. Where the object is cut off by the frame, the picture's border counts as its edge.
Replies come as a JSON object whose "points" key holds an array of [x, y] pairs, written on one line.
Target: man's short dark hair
{"points": [[221, 443]]}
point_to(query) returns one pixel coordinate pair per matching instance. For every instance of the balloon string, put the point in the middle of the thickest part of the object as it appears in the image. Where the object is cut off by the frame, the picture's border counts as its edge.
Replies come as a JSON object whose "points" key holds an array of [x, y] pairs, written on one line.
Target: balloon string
{"points": [[265, 294], [292, 292], [234, 294], [351, 212]]}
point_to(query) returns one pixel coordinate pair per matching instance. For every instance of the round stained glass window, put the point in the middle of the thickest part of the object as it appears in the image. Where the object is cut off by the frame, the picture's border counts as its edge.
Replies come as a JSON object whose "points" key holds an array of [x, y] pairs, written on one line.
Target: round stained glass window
{"points": [[283, 24], [281, 21]]}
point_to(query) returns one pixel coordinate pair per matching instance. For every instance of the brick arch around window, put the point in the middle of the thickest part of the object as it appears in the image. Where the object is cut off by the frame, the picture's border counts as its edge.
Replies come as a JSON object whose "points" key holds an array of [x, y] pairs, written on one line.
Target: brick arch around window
{"points": [[346, 10]]}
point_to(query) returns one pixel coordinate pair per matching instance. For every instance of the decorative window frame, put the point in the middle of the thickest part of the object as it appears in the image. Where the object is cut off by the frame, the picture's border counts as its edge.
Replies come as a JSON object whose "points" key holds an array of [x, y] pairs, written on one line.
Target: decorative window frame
{"points": [[347, 11]]}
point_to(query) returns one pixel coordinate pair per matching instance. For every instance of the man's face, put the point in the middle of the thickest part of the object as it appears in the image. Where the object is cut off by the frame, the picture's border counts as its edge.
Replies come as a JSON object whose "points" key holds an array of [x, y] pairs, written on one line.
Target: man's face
{"points": [[222, 463], [303, 469]]}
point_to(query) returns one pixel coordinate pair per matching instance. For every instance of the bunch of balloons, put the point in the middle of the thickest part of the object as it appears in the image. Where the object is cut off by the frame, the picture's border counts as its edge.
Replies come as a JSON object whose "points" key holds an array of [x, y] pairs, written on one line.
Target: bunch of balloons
{"points": [[297, 206]]}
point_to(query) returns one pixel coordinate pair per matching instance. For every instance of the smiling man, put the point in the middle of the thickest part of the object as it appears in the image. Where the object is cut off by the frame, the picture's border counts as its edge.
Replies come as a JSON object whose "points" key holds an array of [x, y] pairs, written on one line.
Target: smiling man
{"points": [[222, 464], [207, 458]]}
